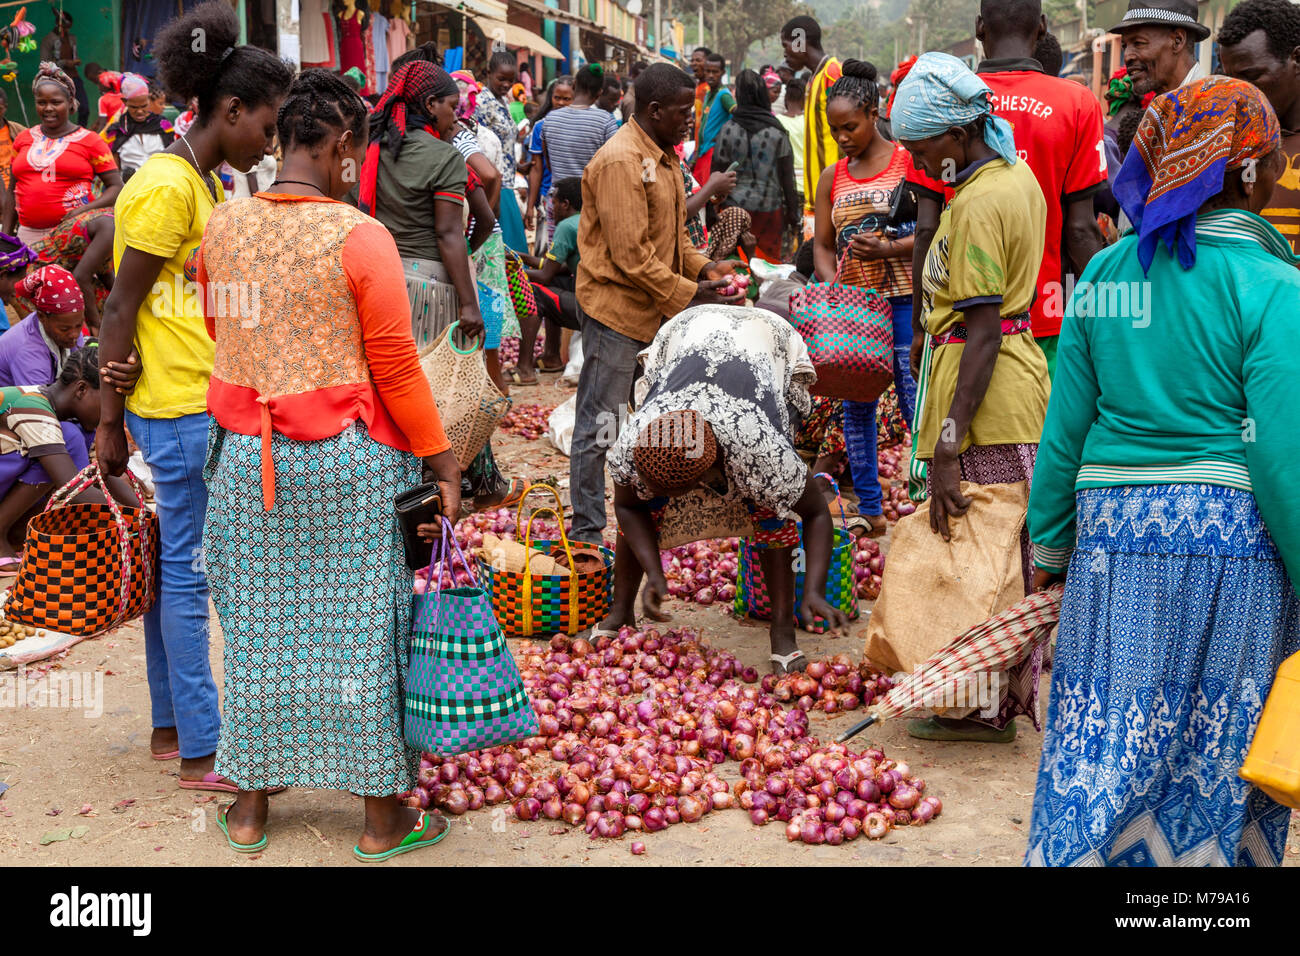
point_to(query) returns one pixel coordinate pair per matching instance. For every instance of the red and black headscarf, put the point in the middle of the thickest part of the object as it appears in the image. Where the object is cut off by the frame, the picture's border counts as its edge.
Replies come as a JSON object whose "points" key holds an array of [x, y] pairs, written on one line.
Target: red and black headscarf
{"points": [[400, 109]]}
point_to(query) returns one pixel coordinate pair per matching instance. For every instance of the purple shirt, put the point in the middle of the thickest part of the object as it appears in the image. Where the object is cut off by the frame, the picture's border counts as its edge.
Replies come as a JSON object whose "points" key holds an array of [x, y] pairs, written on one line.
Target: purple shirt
{"points": [[25, 356]]}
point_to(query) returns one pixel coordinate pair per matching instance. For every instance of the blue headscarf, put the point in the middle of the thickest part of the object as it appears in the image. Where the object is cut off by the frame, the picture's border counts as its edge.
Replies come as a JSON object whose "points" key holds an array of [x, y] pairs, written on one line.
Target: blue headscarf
{"points": [[939, 93]]}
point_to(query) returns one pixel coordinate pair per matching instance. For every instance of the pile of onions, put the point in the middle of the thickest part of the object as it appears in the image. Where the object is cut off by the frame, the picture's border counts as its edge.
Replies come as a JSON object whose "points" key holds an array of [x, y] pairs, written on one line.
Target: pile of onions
{"points": [[829, 794], [868, 566], [892, 462], [632, 730], [508, 351], [895, 503], [830, 686], [527, 421], [703, 572]]}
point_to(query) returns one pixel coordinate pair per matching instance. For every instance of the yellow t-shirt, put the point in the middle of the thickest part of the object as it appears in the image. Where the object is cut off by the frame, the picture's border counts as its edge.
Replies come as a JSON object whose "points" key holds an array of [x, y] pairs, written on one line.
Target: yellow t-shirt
{"points": [[987, 248], [162, 211]]}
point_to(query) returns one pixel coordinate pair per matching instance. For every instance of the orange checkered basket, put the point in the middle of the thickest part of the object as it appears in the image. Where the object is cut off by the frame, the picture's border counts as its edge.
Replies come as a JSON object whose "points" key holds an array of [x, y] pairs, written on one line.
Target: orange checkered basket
{"points": [[86, 567]]}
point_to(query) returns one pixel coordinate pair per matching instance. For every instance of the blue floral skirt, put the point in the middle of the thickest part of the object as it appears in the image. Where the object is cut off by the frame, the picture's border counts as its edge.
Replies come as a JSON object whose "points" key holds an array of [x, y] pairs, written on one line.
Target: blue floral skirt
{"points": [[1176, 616], [314, 599]]}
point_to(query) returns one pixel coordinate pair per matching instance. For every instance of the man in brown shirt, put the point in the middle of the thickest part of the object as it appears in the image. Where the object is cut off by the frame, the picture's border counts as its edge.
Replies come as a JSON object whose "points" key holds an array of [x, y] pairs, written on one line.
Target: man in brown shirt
{"points": [[637, 268]]}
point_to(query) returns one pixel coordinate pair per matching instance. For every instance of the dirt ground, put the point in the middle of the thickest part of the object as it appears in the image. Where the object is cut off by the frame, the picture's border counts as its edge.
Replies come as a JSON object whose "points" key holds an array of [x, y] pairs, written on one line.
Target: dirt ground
{"points": [[69, 770]]}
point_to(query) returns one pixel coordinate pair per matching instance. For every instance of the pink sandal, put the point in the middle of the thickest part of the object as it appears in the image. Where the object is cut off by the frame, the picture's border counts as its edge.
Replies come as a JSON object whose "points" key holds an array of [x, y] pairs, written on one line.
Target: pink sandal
{"points": [[215, 782]]}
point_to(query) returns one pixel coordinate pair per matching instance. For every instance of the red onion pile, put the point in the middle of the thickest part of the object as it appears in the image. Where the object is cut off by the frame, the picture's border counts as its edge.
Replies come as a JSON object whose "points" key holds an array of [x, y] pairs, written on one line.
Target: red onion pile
{"points": [[508, 351], [633, 727], [894, 501], [527, 421], [868, 566], [703, 572], [829, 794], [830, 686], [892, 462]]}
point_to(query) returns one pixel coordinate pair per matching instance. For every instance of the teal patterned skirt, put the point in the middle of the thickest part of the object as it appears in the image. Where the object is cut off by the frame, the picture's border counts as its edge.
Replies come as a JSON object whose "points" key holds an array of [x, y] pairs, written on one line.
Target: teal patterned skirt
{"points": [[314, 600]]}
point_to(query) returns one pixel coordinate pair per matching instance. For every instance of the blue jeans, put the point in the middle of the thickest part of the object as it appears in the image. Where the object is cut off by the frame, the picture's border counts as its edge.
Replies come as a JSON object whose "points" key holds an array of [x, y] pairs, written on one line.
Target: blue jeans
{"points": [[609, 368], [181, 688], [860, 417]]}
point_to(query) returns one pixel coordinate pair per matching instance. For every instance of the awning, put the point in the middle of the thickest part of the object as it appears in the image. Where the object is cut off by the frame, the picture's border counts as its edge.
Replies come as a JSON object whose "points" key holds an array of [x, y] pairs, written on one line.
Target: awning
{"points": [[559, 16], [513, 35], [494, 9]]}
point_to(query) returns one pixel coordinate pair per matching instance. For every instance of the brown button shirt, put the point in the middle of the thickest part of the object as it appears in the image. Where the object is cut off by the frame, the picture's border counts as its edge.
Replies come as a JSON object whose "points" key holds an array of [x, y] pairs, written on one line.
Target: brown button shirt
{"points": [[638, 267]]}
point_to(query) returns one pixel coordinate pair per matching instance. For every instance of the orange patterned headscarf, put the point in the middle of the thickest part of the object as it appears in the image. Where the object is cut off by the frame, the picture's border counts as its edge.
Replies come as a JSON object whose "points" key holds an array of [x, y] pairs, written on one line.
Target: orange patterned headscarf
{"points": [[1187, 140]]}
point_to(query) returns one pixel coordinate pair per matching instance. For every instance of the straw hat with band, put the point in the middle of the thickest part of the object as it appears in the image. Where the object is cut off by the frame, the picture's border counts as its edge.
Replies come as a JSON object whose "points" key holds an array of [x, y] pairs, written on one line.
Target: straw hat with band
{"points": [[1163, 13]]}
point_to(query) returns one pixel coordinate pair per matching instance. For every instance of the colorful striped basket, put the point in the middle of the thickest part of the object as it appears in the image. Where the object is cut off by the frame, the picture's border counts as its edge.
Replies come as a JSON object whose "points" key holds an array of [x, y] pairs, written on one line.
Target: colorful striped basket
{"points": [[841, 586], [532, 605]]}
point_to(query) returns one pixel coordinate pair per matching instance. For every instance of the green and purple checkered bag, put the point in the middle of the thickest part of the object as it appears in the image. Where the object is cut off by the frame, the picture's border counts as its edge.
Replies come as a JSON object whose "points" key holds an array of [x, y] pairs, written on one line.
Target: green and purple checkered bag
{"points": [[463, 689], [841, 584], [850, 337]]}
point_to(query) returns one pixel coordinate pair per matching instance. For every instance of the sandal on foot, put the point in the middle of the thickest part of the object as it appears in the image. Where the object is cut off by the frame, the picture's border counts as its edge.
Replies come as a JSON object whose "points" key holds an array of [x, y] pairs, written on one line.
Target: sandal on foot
{"points": [[169, 755], [9, 566], [512, 374], [931, 729], [784, 661], [237, 847], [412, 841], [218, 784], [514, 494], [549, 369]]}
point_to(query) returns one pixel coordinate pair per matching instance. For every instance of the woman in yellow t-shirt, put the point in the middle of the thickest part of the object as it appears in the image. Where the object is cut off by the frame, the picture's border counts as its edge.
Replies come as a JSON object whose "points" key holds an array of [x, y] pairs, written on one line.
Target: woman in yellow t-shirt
{"points": [[983, 392], [155, 306]]}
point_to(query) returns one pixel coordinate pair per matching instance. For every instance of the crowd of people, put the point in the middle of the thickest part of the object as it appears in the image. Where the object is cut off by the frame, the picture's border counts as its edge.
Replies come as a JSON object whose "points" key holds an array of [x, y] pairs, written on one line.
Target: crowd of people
{"points": [[985, 207]]}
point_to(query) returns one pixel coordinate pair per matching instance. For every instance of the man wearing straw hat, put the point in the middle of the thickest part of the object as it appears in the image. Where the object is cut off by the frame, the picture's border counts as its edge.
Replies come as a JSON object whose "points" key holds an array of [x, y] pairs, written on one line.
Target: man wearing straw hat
{"points": [[1159, 39]]}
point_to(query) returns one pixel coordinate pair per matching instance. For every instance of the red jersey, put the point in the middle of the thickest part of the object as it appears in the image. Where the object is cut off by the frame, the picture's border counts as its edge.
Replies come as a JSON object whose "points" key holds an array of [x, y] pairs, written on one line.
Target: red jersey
{"points": [[1058, 127]]}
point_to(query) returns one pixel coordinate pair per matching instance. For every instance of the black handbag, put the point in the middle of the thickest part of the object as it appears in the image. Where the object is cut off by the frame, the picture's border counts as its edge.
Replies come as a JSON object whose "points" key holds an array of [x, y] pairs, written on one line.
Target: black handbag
{"points": [[421, 505]]}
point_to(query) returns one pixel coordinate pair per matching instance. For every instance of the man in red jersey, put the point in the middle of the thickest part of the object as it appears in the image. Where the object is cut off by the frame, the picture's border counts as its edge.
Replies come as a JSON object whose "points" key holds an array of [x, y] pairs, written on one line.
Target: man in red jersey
{"points": [[1058, 127]]}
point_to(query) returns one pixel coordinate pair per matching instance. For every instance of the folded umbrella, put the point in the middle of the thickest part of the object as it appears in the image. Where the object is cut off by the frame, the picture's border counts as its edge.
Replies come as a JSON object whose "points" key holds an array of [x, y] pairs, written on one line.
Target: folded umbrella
{"points": [[997, 644]]}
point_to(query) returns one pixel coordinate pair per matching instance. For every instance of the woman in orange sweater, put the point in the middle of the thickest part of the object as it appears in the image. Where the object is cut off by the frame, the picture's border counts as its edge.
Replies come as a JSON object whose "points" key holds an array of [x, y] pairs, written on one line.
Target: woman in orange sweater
{"points": [[321, 416]]}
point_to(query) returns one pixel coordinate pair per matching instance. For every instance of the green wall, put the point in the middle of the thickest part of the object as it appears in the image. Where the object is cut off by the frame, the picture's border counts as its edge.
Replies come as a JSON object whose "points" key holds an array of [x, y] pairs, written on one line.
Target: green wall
{"points": [[97, 25]]}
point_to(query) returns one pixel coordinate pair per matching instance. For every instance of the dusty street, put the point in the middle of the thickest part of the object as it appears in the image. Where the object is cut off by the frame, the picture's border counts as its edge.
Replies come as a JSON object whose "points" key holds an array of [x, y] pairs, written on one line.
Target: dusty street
{"points": [[68, 770]]}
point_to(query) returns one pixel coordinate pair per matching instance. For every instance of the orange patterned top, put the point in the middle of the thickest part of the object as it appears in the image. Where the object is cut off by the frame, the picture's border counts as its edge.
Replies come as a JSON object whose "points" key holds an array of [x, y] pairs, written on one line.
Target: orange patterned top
{"points": [[306, 300]]}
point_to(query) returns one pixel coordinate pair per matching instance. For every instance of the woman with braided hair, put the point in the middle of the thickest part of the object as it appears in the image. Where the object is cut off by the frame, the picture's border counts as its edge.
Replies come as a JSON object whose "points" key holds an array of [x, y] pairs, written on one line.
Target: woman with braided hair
{"points": [[55, 164], [302, 489], [857, 241], [159, 221]]}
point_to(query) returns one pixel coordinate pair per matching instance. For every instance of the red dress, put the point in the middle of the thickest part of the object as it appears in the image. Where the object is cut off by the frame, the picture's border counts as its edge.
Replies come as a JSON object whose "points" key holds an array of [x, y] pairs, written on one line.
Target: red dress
{"points": [[352, 49]]}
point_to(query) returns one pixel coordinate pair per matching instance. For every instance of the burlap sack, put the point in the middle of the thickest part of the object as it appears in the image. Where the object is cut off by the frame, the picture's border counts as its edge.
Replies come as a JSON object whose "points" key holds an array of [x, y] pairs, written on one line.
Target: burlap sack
{"points": [[933, 590]]}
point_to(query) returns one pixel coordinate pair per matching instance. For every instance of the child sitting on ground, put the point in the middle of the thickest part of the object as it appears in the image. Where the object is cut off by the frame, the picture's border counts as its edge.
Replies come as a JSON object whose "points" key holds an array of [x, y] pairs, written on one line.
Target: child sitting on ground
{"points": [[553, 277]]}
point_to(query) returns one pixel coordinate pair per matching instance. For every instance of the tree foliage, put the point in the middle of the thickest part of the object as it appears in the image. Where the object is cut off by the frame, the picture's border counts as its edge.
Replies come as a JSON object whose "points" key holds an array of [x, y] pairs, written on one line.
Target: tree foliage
{"points": [[741, 24]]}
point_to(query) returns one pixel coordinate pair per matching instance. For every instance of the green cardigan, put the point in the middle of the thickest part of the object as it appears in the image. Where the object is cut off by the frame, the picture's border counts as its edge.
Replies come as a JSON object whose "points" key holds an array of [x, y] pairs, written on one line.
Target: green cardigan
{"points": [[1178, 377]]}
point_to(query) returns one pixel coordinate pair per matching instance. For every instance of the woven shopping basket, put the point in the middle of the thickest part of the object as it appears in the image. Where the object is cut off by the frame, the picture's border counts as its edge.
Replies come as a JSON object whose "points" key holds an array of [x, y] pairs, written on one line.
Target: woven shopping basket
{"points": [[841, 585], [849, 332], [469, 403], [86, 567], [529, 605], [463, 691]]}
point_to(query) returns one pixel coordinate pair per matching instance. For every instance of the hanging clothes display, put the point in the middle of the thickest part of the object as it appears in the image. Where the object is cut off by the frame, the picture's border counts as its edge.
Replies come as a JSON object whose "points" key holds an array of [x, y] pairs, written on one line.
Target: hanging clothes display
{"points": [[399, 33], [379, 37], [316, 35], [352, 48]]}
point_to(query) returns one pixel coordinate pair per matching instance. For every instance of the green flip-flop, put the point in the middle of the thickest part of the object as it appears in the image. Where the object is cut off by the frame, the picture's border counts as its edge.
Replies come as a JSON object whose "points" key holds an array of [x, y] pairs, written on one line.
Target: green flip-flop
{"points": [[412, 841], [932, 729], [238, 847]]}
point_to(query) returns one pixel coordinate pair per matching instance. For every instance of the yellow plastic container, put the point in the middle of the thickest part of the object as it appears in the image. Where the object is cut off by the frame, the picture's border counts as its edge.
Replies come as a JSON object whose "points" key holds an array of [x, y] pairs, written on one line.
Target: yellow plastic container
{"points": [[1273, 763]]}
